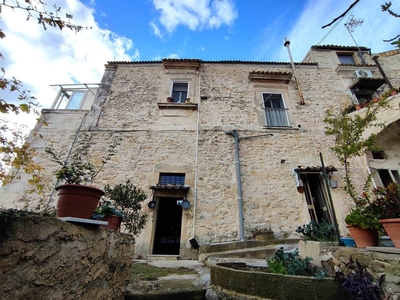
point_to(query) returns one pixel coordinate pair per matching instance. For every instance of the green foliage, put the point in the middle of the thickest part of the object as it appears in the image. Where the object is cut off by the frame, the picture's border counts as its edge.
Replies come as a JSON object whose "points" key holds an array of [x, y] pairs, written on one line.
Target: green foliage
{"points": [[348, 131], [144, 271], [387, 202], [128, 198], [321, 232], [290, 263], [43, 16], [364, 218], [276, 267], [77, 170], [106, 209]]}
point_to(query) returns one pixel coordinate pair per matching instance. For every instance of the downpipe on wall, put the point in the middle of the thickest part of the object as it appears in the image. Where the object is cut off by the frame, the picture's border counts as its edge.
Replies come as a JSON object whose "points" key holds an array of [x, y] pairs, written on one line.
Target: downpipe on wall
{"points": [[236, 137]]}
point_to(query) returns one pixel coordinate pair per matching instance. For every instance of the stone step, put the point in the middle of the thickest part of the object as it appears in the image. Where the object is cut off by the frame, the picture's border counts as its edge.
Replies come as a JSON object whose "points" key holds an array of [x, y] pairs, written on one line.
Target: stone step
{"points": [[152, 257], [263, 252], [229, 246]]}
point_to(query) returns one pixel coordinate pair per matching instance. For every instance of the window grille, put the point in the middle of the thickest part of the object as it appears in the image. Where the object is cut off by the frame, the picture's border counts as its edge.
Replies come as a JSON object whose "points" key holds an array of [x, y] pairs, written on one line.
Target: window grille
{"points": [[275, 111], [172, 178]]}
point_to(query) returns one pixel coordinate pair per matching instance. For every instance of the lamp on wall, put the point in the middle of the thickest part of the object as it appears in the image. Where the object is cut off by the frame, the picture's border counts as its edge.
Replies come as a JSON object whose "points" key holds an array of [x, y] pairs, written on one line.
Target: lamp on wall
{"points": [[152, 204], [184, 203]]}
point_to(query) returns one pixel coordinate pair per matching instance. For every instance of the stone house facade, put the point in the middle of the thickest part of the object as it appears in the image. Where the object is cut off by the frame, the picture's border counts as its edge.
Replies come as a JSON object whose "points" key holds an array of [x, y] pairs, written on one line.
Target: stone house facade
{"points": [[240, 141]]}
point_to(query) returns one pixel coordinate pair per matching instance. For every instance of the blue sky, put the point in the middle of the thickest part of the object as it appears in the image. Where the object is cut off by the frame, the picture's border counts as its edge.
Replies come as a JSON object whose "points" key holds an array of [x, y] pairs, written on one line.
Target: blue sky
{"points": [[251, 30]]}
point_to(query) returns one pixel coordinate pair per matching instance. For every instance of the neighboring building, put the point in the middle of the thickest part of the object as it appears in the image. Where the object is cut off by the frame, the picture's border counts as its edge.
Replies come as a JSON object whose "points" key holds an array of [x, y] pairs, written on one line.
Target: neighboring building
{"points": [[185, 149]]}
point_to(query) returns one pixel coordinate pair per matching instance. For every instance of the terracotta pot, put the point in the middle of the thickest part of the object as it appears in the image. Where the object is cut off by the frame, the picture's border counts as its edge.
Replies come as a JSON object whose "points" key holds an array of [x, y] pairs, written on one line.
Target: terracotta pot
{"points": [[375, 100], [364, 237], [358, 106], [392, 228], [78, 201], [170, 99], [114, 222], [392, 93]]}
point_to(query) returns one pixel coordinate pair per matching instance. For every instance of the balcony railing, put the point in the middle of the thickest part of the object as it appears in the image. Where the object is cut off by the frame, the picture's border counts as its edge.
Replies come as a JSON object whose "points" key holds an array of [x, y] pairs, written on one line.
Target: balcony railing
{"points": [[276, 117]]}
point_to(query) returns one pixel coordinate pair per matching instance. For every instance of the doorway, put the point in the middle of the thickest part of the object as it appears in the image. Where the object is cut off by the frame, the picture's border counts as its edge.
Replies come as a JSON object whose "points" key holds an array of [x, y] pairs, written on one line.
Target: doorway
{"points": [[167, 237], [316, 196]]}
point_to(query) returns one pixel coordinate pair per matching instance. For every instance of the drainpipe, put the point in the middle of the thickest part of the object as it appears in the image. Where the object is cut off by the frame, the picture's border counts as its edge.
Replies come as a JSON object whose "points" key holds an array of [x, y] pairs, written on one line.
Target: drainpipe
{"points": [[66, 159], [196, 174], [235, 135], [375, 59], [286, 43]]}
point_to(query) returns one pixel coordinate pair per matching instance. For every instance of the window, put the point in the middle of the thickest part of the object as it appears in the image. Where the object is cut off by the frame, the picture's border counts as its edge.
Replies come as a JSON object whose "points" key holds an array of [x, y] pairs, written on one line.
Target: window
{"points": [[179, 92], [378, 155], [275, 111], [346, 59], [172, 178], [388, 176], [70, 99]]}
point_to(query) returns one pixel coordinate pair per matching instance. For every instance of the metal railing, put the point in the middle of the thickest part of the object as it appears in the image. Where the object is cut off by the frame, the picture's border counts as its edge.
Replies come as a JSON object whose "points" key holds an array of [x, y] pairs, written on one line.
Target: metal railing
{"points": [[276, 117]]}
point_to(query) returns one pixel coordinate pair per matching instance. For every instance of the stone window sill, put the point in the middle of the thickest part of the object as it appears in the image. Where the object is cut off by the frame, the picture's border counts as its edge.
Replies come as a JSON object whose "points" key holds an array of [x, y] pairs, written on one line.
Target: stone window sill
{"points": [[190, 106]]}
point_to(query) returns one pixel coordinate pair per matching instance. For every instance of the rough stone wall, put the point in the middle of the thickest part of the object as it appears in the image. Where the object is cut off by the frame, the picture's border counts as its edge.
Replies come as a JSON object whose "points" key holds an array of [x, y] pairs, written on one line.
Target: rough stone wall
{"points": [[377, 263], [390, 62], [44, 258], [154, 139]]}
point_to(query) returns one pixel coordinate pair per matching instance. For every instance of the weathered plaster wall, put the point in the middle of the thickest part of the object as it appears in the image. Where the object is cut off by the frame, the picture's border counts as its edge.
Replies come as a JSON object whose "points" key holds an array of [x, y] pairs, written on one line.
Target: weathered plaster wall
{"points": [[44, 258]]}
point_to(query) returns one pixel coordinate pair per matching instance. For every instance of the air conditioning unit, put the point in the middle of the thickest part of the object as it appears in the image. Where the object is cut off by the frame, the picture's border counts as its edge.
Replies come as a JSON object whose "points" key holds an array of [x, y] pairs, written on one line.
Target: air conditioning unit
{"points": [[362, 74]]}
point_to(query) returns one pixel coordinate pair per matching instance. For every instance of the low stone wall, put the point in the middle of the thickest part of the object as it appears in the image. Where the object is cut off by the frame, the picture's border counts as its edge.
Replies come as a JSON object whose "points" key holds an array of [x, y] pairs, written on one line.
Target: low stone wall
{"points": [[44, 258], [275, 286], [377, 260]]}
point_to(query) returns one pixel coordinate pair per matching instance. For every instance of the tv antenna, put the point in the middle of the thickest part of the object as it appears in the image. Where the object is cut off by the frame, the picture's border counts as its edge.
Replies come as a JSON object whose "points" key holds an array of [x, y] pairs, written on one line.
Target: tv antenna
{"points": [[351, 25]]}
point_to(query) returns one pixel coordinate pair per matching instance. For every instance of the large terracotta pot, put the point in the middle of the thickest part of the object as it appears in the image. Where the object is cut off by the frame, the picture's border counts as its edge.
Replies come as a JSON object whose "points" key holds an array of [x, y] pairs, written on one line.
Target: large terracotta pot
{"points": [[114, 222], [364, 237], [78, 201], [392, 228]]}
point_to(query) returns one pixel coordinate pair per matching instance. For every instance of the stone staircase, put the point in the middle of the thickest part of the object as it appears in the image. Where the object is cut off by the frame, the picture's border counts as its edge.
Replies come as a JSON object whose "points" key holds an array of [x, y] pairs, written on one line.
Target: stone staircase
{"points": [[197, 286], [252, 249]]}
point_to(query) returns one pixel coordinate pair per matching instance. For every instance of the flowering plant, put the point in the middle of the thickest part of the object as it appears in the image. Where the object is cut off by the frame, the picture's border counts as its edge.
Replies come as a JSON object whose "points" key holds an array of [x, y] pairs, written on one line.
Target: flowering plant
{"points": [[387, 202]]}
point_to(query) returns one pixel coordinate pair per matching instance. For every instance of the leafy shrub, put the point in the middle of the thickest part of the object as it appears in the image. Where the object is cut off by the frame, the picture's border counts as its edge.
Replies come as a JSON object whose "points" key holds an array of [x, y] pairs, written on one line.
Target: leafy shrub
{"points": [[127, 198], [363, 217], [290, 263], [321, 232], [359, 283], [387, 202]]}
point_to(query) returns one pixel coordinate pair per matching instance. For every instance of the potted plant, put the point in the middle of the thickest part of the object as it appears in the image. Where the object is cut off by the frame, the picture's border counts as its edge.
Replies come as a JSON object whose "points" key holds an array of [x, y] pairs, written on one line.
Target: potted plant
{"points": [[127, 199], [363, 225], [387, 207], [350, 142], [170, 99], [107, 212], [76, 197]]}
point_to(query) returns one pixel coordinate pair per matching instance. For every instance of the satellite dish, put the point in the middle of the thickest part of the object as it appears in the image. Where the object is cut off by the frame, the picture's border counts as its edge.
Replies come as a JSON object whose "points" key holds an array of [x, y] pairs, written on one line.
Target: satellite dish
{"points": [[152, 204]]}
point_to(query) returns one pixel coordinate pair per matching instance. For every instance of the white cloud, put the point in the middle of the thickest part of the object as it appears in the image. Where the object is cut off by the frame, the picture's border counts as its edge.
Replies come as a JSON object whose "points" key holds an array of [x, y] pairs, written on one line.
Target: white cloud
{"points": [[156, 30], [195, 14], [40, 58]]}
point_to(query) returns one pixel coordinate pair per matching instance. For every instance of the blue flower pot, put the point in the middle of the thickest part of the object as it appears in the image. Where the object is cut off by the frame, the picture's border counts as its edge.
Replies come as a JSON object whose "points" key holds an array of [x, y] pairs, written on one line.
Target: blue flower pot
{"points": [[348, 241]]}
